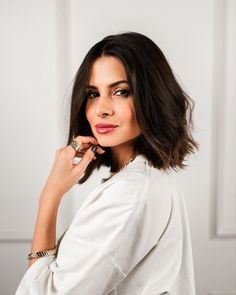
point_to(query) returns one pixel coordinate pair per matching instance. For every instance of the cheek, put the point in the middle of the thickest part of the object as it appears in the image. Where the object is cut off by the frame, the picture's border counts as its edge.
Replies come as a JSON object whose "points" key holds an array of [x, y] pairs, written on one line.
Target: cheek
{"points": [[131, 118], [125, 111], [130, 115], [127, 116]]}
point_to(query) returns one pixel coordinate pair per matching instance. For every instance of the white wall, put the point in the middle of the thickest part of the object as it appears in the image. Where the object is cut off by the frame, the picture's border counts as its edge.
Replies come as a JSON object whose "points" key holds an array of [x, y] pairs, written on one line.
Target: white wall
{"points": [[30, 99], [43, 43]]}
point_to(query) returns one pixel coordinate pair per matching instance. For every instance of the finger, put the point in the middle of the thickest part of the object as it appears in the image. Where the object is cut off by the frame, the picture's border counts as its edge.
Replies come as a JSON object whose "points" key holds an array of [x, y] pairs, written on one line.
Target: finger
{"points": [[71, 150], [79, 169], [84, 142], [86, 146], [100, 150], [80, 153], [86, 139]]}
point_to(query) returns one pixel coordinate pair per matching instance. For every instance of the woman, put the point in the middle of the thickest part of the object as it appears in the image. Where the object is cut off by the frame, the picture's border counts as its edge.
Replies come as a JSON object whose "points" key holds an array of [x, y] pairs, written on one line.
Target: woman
{"points": [[131, 235]]}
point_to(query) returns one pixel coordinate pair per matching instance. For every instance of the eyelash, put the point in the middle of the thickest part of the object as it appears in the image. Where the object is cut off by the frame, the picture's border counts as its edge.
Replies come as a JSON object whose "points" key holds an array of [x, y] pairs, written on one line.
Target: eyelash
{"points": [[126, 93]]}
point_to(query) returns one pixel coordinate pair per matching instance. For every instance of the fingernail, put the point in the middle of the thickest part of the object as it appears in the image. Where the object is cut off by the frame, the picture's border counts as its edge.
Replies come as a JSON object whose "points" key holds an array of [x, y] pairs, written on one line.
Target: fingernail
{"points": [[94, 148]]}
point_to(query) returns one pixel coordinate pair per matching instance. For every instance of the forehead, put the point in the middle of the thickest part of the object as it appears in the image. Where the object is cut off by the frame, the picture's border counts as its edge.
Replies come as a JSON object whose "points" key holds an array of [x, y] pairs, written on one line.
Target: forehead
{"points": [[107, 69]]}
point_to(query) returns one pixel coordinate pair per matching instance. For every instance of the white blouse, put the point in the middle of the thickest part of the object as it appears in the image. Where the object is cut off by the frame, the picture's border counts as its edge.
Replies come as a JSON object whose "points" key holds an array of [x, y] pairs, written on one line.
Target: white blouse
{"points": [[131, 236]]}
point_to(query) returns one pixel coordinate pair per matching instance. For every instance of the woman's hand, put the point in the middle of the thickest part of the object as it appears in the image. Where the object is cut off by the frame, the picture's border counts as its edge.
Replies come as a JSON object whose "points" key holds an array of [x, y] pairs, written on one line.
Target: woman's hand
{"points": [[65, 173]]}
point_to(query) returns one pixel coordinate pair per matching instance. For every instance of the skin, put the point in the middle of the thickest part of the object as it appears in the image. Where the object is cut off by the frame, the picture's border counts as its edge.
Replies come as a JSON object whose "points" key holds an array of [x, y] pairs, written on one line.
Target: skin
{"points": [[64, 174], [116, 104]]}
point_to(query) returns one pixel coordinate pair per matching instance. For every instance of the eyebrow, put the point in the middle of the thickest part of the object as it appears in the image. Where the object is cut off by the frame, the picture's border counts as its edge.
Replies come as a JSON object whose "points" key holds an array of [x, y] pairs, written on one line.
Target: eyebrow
{"points": [[111, 85]]}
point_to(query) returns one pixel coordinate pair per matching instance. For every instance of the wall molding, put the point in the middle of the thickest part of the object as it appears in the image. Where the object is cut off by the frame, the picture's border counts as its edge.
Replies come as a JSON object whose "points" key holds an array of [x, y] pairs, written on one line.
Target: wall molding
{"points": [[222, 293], [223, 196], [13, 235]]}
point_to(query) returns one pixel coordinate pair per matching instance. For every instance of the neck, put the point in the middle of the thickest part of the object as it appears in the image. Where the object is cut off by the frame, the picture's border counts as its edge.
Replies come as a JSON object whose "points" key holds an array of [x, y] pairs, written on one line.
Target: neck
{"points": [[120, 157]]}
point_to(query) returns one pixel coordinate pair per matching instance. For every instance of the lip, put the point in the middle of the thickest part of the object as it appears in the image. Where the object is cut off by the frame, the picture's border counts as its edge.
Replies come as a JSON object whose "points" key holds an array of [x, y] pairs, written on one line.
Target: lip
{"points": [[105, 125], [104, 130]]}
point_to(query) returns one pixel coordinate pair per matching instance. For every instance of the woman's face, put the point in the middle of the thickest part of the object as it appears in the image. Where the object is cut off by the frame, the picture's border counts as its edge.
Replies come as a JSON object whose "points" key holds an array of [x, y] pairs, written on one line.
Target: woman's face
{"points": [[109, 102]]}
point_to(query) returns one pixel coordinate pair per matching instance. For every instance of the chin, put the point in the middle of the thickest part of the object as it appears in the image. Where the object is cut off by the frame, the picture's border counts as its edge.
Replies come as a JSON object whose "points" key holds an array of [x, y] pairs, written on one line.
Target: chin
{"points": [[107, 142]]}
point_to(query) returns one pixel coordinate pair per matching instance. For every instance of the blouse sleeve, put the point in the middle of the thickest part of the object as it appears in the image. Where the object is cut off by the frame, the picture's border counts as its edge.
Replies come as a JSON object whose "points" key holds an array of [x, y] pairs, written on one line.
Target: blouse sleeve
{"points": [[101, 246]]}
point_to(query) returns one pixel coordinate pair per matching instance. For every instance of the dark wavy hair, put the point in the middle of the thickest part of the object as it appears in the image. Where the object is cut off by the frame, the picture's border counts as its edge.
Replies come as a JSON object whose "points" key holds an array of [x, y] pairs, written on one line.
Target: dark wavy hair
{"points": [[163, 109]]}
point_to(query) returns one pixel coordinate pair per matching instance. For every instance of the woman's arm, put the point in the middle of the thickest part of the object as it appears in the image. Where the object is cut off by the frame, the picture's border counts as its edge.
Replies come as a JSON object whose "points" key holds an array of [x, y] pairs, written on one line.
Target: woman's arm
{"points": [[63, 176], [45, 229]]}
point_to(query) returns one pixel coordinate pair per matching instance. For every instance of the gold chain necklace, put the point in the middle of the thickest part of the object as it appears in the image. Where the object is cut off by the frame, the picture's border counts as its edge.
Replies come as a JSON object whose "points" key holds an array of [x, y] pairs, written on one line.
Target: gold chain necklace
{"points": [[127, 163]]}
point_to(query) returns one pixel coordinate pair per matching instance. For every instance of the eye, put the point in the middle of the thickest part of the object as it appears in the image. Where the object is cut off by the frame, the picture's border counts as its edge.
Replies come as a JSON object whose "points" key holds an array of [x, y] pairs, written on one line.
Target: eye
{"points": [[91, 94], [124, 92]]}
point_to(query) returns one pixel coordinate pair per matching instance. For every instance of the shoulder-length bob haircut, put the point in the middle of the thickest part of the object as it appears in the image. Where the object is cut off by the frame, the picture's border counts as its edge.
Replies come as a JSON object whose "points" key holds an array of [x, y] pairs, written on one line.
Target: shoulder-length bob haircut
{"points": [[163, 109]]}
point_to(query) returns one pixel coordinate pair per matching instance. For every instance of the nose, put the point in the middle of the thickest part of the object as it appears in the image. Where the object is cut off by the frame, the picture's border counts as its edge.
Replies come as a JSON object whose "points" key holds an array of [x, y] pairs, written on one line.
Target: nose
{"points": [[104, 106]]}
